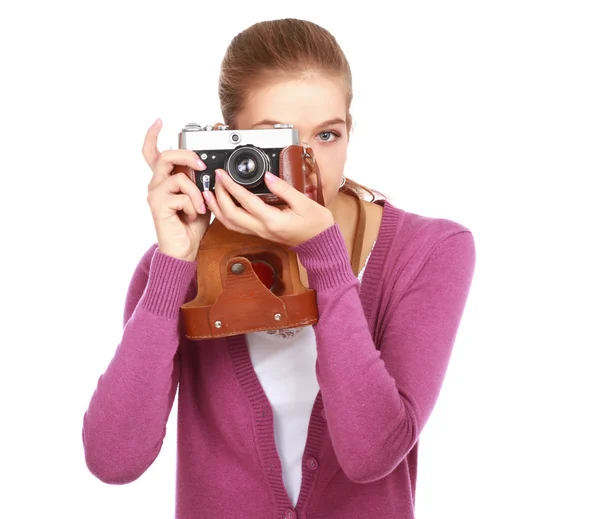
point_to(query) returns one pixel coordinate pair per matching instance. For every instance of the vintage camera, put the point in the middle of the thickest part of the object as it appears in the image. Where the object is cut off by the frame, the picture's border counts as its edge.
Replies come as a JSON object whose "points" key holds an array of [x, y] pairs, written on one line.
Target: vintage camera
{"points": [[245, 282], [246, 155]]}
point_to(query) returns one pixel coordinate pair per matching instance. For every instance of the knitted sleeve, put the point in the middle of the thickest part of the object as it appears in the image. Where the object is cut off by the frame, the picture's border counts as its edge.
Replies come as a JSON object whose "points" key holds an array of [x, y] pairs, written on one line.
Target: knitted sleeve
{"points": [[125, 423], [378, 401]]}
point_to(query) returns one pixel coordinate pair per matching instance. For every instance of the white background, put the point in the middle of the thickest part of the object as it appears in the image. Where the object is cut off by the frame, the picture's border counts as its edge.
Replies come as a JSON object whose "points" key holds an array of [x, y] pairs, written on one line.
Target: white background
{"points": [[483, 112]]}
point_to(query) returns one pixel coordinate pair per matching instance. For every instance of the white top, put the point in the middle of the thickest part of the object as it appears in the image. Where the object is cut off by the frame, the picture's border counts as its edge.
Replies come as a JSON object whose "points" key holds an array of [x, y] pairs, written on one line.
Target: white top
{"points": [[285, 363]]}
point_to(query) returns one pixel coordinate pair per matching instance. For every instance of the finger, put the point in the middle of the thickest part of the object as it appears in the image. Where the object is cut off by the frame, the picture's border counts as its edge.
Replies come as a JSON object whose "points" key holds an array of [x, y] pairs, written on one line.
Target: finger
{"points": [[233, 213], [182, 203], [168, 159], [150, 149], [213, 206], [249, 201], [296, 200], [181, 183]]}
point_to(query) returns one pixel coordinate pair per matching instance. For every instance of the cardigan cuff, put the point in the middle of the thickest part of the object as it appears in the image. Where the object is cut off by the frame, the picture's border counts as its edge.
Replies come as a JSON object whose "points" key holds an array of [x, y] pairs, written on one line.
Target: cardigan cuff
{"points": [[168, 282], [325, 259]]}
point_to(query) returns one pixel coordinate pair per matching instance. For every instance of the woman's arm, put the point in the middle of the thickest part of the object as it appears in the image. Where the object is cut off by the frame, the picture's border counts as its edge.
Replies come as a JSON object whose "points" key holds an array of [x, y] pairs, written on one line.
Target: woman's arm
{"points": [[377, 402], [125, 423]]}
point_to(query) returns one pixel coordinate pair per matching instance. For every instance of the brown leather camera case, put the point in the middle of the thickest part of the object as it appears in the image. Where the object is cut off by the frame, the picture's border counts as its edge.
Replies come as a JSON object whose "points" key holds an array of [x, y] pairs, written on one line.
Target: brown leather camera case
{"points": [[231, 299]]}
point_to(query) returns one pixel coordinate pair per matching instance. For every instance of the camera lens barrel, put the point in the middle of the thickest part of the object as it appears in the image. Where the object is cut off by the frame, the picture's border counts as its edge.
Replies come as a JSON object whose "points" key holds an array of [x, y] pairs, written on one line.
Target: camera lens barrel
{"points": [[247, 165]]}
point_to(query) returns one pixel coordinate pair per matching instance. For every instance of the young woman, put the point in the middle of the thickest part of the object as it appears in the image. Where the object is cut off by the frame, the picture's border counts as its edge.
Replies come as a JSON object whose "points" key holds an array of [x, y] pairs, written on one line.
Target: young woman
{"points": [[320, 421]]}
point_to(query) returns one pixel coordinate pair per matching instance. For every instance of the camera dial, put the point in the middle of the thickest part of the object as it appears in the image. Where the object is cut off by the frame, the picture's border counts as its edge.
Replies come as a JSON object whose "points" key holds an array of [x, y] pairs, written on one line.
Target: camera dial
{"points": [[192, 127]]}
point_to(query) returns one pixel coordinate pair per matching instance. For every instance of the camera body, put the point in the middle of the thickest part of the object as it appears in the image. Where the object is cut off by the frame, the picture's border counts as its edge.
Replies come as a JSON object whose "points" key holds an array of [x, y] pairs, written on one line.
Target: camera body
{"points": [[246, 155]]}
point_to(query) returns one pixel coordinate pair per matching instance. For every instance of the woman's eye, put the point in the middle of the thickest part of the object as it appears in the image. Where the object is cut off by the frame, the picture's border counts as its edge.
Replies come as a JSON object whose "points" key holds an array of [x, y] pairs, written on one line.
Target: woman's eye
{"points": [[327, 136]]}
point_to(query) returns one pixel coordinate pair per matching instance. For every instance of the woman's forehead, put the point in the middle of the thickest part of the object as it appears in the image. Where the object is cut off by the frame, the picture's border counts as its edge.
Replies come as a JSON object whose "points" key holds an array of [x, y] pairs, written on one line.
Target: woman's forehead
{"points": [[304, 103]]}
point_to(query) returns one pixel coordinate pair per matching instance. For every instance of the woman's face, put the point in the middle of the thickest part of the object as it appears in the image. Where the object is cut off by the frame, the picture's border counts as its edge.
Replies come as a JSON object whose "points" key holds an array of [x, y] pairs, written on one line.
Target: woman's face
{"points": [[316, 107]]}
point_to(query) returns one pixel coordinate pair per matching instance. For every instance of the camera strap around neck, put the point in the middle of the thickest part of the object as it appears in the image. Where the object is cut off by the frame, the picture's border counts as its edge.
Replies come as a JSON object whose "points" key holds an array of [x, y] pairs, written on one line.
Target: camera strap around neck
{"points": [[358, 238], [309, 166]]}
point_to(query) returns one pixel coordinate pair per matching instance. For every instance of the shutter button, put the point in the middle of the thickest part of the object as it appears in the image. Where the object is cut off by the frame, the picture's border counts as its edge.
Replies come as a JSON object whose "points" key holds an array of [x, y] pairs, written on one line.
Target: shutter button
{"points": [[290, 514], [312, 463]]}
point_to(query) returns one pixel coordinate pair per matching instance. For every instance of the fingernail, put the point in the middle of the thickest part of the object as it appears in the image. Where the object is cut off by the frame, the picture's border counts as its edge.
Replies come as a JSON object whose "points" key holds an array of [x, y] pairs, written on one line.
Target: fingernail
{"points": [[270, 177], [206, 195], [156, 122], [201, 165], [218, 174]]}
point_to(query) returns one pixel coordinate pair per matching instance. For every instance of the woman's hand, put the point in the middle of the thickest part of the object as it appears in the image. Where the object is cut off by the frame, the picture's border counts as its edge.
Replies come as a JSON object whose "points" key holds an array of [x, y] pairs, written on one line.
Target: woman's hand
{"points": [[290, 225], [177, 206]]}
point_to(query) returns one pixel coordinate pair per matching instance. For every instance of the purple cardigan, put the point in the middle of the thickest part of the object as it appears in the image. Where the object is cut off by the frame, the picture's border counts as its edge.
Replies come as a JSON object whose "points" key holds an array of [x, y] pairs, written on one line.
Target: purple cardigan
{"points": [[382, 352]]}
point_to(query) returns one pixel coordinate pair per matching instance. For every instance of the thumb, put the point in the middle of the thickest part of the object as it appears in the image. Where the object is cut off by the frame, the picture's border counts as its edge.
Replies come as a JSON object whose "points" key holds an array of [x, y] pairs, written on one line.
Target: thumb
{"points": [[284, 190]]}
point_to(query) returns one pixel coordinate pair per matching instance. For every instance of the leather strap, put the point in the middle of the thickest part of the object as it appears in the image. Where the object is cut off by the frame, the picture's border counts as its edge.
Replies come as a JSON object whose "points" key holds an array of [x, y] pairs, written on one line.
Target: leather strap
{"points": [[310, 166], [358, 238], [320, 198]]}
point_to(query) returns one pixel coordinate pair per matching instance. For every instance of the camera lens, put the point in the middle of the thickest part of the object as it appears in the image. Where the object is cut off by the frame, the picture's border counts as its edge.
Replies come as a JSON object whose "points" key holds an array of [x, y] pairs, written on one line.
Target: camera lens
{"points": [[247, 165]]}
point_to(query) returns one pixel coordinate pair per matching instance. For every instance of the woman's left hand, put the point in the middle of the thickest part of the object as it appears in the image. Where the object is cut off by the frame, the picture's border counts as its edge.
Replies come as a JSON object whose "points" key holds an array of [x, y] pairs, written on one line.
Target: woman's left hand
{"points": [[292, 224]]}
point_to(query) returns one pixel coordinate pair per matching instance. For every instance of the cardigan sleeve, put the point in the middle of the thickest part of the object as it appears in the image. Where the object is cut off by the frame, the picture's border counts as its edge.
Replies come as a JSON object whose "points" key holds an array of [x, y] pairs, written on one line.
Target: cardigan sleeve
{"points": [[125, 423], [378, 401]]}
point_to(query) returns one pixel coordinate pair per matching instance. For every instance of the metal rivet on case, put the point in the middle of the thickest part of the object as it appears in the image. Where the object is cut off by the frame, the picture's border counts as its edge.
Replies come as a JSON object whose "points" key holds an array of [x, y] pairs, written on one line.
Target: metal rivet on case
{"points": [[277, 317], [237, 268], [204, 156], [218, 324]]}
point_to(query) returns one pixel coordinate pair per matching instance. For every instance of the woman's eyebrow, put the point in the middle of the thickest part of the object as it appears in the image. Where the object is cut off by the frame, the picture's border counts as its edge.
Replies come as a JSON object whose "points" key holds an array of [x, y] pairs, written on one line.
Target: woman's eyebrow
{"points": [[329, 122]]}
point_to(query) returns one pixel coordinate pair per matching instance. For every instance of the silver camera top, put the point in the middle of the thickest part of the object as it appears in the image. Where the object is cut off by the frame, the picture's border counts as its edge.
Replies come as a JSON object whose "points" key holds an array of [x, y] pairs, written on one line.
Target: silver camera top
{"points": [[193, 136]]}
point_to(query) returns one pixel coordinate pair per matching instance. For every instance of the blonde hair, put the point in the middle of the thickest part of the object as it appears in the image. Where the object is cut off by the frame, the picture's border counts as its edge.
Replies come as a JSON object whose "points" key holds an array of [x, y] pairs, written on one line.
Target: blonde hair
{"points": [[282, 49]]}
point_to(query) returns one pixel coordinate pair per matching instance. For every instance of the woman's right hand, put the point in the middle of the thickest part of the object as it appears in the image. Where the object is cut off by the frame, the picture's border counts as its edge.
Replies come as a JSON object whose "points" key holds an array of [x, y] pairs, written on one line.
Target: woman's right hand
{"points": [[180, 215]]}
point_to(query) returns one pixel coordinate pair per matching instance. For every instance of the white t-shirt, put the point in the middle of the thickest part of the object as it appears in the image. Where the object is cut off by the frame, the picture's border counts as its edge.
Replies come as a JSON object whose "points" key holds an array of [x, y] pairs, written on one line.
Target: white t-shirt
{"points": [[285, 363]]}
